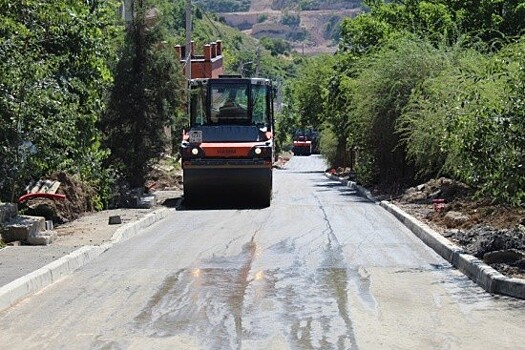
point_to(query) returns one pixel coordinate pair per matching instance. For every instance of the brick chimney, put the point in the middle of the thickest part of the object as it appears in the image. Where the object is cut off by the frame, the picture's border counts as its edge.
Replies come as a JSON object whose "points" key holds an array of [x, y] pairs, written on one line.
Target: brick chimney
{"points": [[213, 49], [208, 52], [219, 47], [207, 65]]}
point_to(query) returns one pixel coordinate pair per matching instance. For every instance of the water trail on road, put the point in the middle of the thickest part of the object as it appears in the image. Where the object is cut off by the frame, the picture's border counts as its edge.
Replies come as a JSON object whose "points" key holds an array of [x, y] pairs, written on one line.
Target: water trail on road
{"points": [[205, 301]]}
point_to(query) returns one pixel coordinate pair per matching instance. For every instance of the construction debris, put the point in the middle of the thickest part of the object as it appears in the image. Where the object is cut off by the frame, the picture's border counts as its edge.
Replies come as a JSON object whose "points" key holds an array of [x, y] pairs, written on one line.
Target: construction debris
{"points": [[23, 228], [43, 186]]}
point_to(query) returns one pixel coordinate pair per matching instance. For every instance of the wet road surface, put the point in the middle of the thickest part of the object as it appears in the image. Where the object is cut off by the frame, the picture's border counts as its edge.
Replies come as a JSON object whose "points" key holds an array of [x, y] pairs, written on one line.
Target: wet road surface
{"points": [[322, 268]]}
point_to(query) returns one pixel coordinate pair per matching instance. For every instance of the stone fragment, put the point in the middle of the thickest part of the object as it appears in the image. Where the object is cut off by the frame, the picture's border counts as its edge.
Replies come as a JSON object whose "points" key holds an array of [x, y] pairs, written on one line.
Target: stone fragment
{"points": [[42, 237], [454, 219], [508, 256], [114, 220], [21, 227], [7, 211], [49, 225], [147, 201]]}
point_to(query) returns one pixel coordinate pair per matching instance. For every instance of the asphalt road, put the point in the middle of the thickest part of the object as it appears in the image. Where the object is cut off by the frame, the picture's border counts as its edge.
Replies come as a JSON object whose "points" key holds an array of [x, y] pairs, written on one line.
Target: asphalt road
{"points": [[320, 269]]}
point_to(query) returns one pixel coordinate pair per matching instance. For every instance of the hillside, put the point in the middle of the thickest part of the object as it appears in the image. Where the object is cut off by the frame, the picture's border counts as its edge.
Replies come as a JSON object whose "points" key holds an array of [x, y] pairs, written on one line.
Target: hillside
{"points": [[310, 26], [240, 49]]}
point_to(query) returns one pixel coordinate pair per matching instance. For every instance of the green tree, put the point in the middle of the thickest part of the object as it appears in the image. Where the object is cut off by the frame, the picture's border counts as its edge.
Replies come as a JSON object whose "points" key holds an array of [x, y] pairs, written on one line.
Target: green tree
{"points": [[276, 46], [308, 92], [489, 19], [145, 99], [363, 33], [431, 20]]}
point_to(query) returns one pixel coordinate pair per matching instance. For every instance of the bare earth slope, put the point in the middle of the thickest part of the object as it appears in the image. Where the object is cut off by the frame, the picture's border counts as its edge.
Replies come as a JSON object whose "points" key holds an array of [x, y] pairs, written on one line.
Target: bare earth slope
{"points": [[263, 21]]}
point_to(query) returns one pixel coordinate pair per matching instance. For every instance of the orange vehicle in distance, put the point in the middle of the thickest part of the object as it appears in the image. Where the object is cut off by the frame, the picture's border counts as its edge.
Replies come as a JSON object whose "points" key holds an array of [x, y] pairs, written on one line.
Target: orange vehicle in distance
{"points": [[305, 142]]}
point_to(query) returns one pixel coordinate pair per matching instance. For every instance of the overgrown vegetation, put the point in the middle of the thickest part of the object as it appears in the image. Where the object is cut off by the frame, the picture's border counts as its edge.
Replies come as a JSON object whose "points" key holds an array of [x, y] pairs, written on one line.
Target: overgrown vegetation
{"points": [[55, 63], [420, 89], [276, 46]]}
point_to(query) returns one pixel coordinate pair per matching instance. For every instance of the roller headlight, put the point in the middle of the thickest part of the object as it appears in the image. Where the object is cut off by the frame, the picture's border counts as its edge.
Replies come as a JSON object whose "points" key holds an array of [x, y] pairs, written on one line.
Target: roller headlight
{"points": [[194, 151], [258, 151]]}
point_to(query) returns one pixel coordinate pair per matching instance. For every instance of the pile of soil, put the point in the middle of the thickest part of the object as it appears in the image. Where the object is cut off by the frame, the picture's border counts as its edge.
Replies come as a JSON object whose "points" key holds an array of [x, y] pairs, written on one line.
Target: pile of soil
{"points": [[164, 177], [491, 232], [79, 200]]}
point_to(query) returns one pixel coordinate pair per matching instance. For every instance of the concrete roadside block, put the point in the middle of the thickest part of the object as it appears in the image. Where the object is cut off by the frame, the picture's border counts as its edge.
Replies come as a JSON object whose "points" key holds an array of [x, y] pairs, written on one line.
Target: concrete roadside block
{"points": [[434, 240], [42, 237], [29, 284], [21, 227], [127, 231], [482, 274], [146, 201]]}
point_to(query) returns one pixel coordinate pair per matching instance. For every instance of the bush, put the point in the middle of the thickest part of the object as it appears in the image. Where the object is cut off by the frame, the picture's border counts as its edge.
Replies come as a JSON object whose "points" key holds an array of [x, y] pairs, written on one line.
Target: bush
{"points": [[291, 19], [469, 122], [328, 146], [383, 88], [262, 18]]}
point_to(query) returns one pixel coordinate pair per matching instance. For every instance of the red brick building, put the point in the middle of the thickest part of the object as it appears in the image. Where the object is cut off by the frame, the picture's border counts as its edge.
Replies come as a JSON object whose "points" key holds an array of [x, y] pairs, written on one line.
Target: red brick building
{"points": [[207, 65]]}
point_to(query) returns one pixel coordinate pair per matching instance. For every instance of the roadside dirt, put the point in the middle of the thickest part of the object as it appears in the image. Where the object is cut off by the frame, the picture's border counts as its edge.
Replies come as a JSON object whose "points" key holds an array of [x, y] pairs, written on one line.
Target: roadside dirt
{"points": [[490, 232], [79, 200]]}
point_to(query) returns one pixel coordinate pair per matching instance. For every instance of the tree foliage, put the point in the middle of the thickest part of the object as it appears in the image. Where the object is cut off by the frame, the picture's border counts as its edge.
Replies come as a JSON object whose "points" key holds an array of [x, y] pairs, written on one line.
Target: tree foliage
{"points": [[276, 46], [425, 88], [383, 88], [55, 60], [145, 99], [469, 121]]}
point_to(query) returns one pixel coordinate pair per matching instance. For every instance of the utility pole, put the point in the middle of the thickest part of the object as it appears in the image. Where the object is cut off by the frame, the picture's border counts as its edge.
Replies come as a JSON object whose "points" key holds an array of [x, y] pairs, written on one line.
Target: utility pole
{"points": [[188, 56], [258, 62], [188, 39]]}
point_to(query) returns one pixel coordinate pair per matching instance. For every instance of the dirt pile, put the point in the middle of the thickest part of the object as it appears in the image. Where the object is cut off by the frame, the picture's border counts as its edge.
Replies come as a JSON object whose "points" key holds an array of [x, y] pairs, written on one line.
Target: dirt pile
{"points": [[445, 189], [491, 232], [164, 177], [483, 239], [79, 200]]}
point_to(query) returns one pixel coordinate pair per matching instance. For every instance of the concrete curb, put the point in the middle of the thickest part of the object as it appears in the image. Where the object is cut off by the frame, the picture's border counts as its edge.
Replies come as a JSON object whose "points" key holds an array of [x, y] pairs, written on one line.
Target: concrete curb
{"points": [[482, 274], [31, 283]]}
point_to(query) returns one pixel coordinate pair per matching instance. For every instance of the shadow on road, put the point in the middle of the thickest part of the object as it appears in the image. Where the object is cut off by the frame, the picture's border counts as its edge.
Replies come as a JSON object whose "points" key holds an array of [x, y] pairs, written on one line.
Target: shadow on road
{"points": [[220, 201], [326, 185], [306, 171]]}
